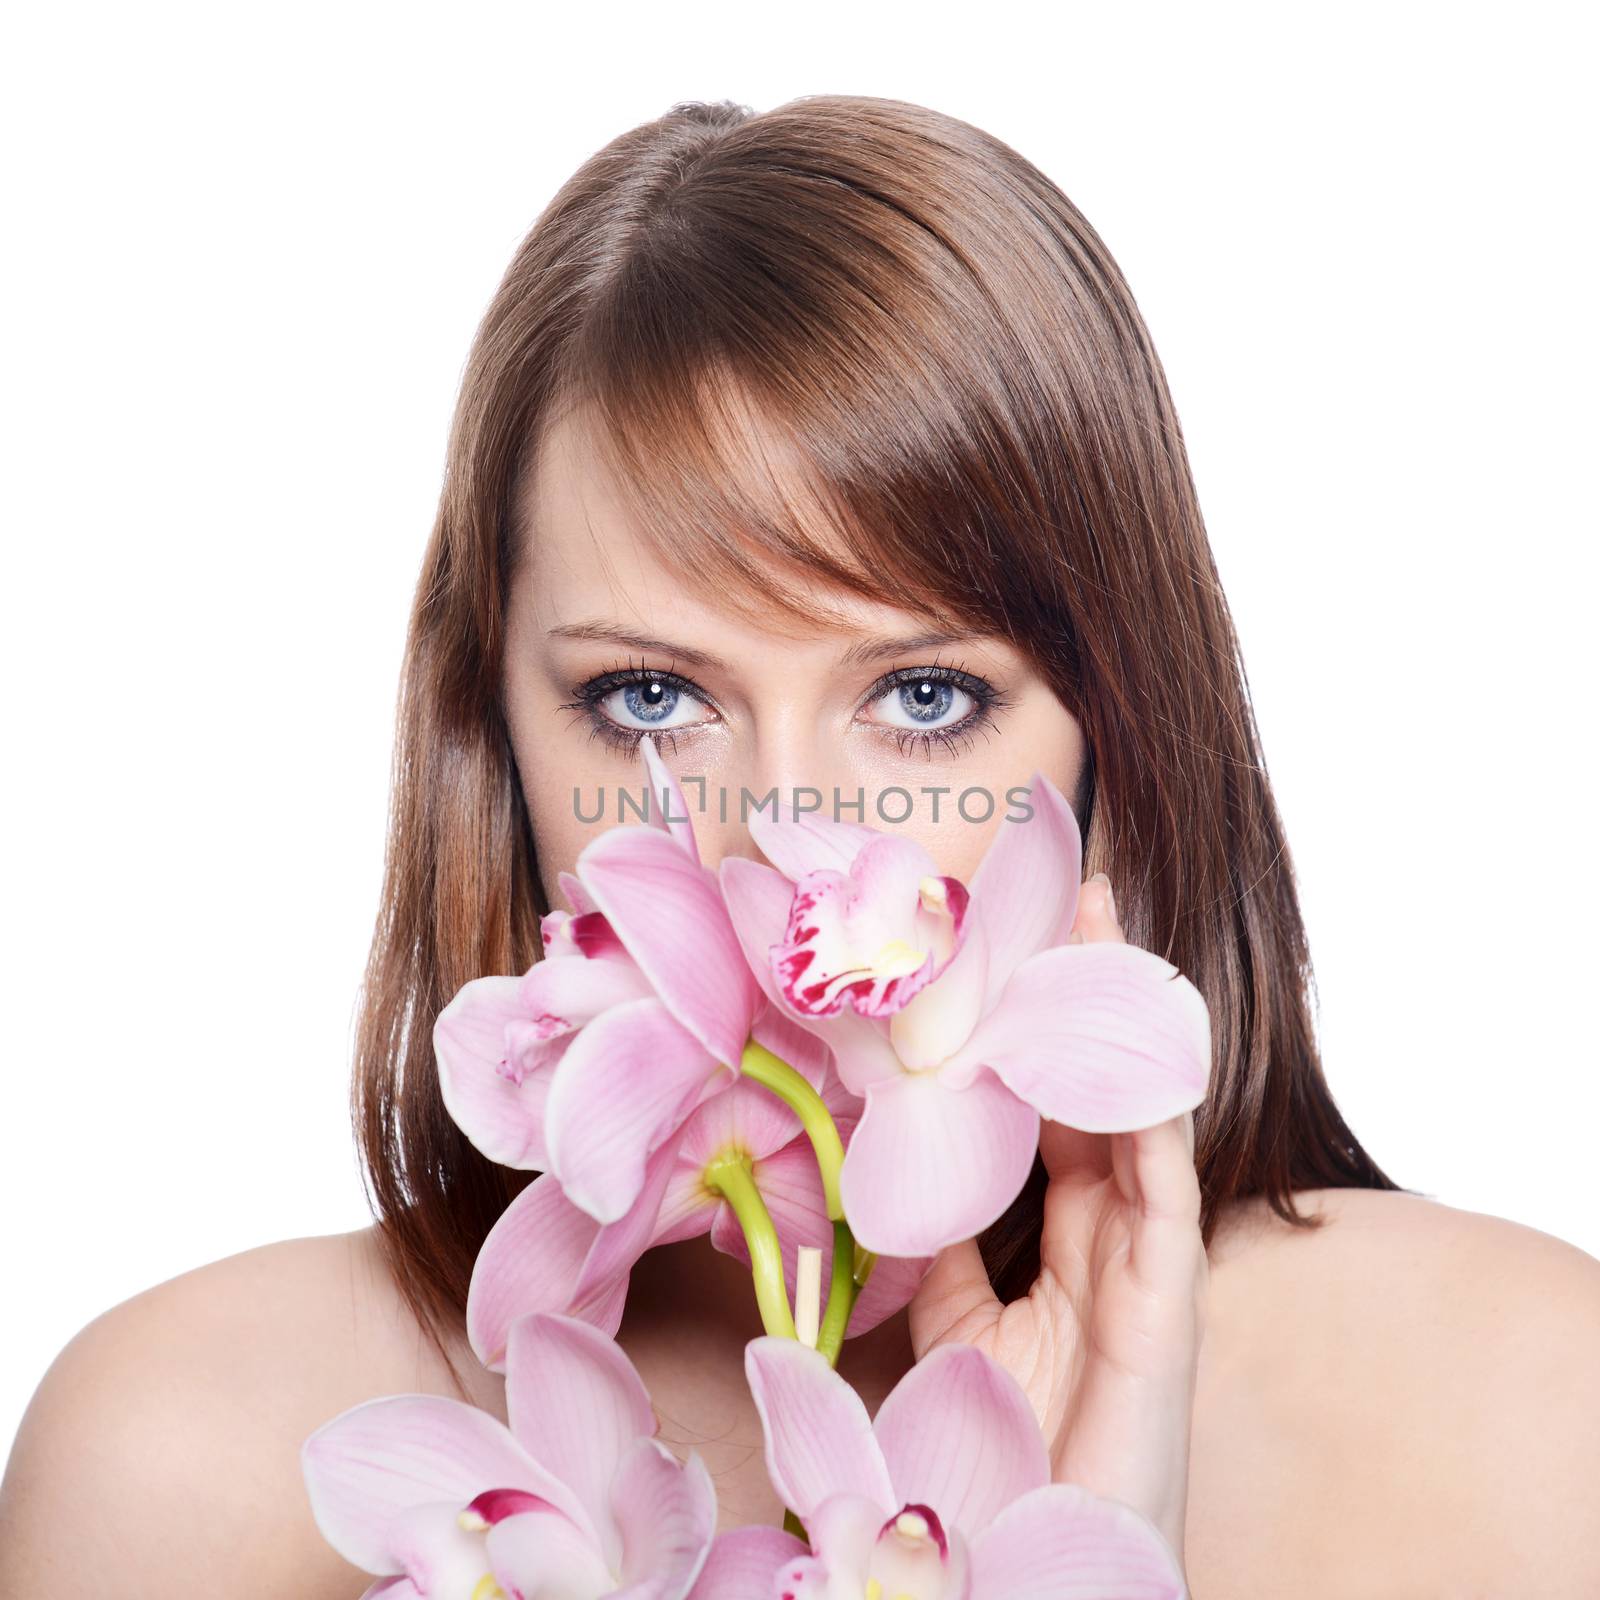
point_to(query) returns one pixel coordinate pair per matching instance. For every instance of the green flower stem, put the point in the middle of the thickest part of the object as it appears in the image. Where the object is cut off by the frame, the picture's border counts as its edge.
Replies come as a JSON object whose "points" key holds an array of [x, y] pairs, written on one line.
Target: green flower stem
{"points": [[730, 1177], [792, 1524], [778, 1076], [842, 1292], [865, 1262]]}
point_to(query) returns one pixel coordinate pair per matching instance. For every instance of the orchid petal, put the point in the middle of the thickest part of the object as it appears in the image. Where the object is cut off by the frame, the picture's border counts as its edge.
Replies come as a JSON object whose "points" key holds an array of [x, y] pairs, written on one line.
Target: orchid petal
{"points": [[744, 1562], [1062, 1543], [727, 1235], [843, 1530], [531, 1260], [630, 1079], [393, 1589], [940, 1019], [494, 1070], [791, 1190], [819, 1439], [747, 1117], [805, 1049], [758, 899], [619, 1244], [805, 1577], [862, 1052], [561, 996], [439, 1554], [571, 886], [666, 1513], [576, 1405], [800, 843], [667, 910], [957, 1433], [385, 1458], [890, 1287], [929, 1166], [1025, 890], [843, 1103], [539, 1553], [687, 1208], [1104, 1037], [674, 820]]}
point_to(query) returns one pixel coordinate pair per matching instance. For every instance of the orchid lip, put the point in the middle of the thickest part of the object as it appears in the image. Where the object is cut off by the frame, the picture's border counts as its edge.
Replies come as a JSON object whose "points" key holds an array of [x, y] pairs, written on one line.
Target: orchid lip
{"points": [[918, 1525], [539, 1029], [870, 938], [592, 933], [911, 1557], [495, 1505]]}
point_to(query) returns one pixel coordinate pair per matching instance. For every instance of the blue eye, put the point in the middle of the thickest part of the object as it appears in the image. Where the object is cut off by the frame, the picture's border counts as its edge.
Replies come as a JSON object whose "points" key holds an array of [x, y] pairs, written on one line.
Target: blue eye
{"points": [[650, 702], [923, 703], [916, 706], [919, 707], [626, 703]]}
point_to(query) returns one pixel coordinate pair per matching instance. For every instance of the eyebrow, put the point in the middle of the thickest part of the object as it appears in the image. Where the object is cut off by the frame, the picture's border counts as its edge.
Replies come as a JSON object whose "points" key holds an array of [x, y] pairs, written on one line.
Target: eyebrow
{"points": [[867, 650]]}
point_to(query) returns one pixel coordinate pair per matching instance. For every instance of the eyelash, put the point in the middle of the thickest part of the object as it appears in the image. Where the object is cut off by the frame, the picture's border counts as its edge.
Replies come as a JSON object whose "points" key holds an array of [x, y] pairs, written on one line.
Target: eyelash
{"points": [[988, 701]]}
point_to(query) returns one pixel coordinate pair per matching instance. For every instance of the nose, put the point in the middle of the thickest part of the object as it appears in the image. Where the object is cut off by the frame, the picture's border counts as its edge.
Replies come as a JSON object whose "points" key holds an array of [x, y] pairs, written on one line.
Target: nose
{"points": [[783, 769]]}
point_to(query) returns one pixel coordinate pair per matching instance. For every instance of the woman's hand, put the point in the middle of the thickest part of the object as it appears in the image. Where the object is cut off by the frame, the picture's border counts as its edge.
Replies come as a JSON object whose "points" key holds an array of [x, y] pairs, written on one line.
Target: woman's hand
{"points": [[1107, 1341]]}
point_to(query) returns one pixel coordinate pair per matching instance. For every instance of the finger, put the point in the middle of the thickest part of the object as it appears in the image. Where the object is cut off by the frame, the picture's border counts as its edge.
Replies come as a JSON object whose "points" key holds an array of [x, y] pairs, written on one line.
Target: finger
{"points": [[1071, 1153], [954, 1296], [1158, 1167], [1096, 917], [1165, 1181]]}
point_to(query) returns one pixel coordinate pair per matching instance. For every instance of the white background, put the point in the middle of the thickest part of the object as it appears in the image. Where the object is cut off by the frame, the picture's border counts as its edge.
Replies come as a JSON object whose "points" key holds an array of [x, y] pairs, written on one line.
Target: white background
{"points": [[249, 246]]}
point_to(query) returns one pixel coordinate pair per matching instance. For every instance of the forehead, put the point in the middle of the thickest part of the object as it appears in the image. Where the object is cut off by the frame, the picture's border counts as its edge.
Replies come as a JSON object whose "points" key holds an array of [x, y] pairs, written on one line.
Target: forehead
{"points": [[584, 558]]}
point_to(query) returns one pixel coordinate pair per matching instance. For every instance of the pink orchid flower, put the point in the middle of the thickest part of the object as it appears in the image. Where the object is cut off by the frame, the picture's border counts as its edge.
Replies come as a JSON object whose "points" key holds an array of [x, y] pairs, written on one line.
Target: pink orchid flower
{"points": [[944, 1495], [751, 1121], [545, 1254], [637, 1014], [576, 1498], [960, 1012]]}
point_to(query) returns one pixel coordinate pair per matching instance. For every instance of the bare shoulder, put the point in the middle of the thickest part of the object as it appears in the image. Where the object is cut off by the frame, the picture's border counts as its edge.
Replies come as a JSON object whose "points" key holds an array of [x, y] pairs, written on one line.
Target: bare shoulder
{"points": [[1405, 1400], [164, 1440]]}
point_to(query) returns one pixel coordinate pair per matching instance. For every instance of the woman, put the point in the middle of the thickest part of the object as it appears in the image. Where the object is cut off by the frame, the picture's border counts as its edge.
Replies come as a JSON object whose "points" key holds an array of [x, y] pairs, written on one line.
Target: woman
{"points": [[828, 446]]}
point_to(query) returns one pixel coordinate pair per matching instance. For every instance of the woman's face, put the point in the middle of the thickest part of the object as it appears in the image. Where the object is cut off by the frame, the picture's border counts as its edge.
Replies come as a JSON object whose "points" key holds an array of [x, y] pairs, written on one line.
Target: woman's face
{"points": [[605, 643]]}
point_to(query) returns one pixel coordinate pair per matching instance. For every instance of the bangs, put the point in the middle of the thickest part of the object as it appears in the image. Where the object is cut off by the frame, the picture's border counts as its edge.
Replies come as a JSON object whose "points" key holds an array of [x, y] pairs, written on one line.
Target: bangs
{"points": [[816, 434], [709, 481]]}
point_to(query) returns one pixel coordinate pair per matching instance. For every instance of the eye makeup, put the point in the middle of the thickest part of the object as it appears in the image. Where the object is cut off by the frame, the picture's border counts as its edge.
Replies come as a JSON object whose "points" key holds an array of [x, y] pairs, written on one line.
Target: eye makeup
{"points": [[917, 707]]}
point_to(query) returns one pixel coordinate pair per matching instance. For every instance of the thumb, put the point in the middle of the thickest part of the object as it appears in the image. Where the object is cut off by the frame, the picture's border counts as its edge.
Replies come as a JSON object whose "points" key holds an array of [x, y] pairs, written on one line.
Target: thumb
{"points": [[1096, 920], [954, 1299]]}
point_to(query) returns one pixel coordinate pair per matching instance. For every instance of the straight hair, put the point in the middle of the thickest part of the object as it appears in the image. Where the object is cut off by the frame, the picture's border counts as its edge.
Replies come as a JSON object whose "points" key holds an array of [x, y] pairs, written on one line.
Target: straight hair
{"points": [[854, 340]]}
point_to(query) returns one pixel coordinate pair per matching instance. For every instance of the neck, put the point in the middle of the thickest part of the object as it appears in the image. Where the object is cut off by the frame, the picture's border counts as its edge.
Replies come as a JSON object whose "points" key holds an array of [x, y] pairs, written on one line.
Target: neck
{"points": [[689, 1305]]}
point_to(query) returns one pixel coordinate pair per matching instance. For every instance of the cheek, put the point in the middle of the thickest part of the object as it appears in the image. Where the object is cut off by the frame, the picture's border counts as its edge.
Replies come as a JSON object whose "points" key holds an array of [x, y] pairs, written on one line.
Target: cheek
{"points": [[558, 835], [563, 773], [957, 826], [564, 782], [573, 801]]}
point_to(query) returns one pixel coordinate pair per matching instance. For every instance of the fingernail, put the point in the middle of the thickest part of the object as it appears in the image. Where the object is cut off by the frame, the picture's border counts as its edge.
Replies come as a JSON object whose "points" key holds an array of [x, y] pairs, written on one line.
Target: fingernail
{"points": [[1111, 901]]}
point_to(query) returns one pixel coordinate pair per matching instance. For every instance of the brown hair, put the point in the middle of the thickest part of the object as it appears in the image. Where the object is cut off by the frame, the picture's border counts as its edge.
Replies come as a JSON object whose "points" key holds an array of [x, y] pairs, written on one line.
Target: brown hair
{"points": [[941, 347]]}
